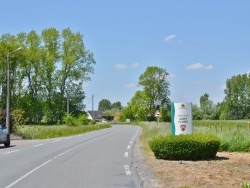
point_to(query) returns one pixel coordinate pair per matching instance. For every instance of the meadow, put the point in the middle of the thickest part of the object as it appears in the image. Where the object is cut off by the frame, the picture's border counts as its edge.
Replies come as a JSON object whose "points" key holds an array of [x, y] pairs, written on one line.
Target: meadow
{"points": [[44, 132], [234, 135]]}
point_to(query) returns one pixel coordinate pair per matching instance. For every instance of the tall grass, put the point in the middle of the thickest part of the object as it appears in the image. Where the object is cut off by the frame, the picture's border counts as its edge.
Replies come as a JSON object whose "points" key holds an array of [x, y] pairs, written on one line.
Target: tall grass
{"points": [[43, 132], [231, 140]]}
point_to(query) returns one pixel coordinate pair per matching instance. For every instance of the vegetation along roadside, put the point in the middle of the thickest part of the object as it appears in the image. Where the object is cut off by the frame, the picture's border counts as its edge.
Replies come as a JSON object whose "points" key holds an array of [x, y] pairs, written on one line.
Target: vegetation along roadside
{"points": [[230, 167]]}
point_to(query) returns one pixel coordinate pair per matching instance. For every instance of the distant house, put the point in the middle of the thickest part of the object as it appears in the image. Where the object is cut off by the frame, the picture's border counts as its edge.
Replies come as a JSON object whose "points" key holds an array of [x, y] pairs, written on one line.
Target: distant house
{"points": [[97, 115], [108, 118]]}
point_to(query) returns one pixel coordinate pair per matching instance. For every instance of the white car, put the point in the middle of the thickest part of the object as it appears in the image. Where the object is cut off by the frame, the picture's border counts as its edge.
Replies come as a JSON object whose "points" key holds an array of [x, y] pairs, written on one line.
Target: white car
{"points": [[4, 136]]}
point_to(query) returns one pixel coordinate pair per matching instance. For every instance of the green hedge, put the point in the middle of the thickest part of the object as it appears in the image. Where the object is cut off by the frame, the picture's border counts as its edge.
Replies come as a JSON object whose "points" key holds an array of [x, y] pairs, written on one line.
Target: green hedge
{"points": [[185, 147]]}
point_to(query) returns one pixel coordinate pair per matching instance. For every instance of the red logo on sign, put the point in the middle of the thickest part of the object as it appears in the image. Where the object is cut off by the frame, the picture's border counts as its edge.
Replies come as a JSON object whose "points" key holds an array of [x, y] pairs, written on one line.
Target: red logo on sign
{"points": [[183, 127]]}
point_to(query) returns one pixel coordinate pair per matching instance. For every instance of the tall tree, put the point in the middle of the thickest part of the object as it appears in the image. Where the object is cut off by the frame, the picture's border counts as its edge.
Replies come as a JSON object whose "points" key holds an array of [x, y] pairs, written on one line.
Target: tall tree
{"points": [[155, 87], [155, 84], [117, 105], [50, 58], [48, 67], [76, 65], [206, 106], [104, 104], [237, 99]]}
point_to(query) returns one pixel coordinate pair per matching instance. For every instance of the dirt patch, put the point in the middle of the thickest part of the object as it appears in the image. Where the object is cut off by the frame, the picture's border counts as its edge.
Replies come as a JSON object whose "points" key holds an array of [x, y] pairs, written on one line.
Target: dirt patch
{"points": [[226, 170]]}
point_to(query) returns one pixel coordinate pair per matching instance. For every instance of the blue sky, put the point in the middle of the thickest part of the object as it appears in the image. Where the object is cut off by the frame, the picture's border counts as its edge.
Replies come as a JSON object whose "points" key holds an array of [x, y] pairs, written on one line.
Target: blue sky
{"points": [[200, 43]]}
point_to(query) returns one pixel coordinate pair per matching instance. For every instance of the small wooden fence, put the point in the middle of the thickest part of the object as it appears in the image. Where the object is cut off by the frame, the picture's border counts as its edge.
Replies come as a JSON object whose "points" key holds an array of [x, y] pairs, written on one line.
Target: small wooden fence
{"points": [[223, 127]]}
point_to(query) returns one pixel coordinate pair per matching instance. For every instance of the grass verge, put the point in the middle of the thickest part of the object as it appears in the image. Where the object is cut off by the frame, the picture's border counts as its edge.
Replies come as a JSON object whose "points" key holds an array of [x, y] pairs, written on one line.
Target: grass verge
{"points": [[44, 132], [231, 140]]}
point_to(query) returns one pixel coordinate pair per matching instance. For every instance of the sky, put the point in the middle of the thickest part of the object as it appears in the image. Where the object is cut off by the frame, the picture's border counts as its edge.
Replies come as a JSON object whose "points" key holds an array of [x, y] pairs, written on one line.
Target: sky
{"points": [[201, 44]]}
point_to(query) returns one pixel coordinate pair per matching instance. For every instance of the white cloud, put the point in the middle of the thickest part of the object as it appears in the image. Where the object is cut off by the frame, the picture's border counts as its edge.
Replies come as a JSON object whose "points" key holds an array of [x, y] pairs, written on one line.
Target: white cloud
{"points": [[129, 85], [199, 66], [134, 65], [168, 38], [121, 66]]}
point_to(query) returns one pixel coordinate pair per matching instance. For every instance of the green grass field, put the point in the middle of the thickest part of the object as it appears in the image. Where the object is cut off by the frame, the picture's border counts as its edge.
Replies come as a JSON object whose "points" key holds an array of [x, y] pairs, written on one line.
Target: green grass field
{"points": [[232, 140], [43, 132]]}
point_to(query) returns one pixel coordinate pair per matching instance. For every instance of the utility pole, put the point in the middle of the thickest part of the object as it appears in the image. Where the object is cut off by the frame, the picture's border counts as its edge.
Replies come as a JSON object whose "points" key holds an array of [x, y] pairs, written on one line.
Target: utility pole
{"points": [[8, 90], [93, 113], [92, 107]]}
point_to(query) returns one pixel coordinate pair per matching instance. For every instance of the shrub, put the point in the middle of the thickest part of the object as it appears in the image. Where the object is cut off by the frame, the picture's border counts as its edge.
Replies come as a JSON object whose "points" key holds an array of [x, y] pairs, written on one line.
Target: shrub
{"points": [[82, 120], [245, 185], [185, 147], [44, 120], [69, 120], [93, 122]]}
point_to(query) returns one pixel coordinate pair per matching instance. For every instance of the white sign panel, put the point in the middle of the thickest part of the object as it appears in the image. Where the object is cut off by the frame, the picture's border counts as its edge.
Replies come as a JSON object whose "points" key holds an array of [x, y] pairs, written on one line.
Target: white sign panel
{"points": [[182, 122], [157, 103]]}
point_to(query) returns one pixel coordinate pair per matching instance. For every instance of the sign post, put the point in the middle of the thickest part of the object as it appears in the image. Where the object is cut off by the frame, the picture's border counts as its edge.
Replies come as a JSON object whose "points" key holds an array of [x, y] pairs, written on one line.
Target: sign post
{"points": [[157, 115], [181, 118], [157, 112]]}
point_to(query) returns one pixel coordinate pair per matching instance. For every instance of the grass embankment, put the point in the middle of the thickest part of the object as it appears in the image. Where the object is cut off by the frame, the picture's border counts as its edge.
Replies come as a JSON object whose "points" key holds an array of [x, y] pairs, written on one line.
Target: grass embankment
{"points": [[232, 139], [44, 132]]}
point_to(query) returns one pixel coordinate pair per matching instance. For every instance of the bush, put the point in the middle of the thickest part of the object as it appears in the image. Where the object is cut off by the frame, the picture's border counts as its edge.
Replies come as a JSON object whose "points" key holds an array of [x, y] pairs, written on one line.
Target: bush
{"points": [[185, 147], [69, 120], [82, 120]]}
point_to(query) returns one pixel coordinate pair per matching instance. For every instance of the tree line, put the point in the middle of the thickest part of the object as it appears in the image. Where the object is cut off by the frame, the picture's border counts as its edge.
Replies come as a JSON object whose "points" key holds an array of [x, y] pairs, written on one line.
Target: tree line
{"points": [[46, 74], [235, 105], [155, 86]]}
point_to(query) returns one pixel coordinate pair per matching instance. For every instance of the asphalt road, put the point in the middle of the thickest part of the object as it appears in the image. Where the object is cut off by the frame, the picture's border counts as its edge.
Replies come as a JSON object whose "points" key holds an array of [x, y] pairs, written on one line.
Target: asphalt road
{"points": [[97, 159]]}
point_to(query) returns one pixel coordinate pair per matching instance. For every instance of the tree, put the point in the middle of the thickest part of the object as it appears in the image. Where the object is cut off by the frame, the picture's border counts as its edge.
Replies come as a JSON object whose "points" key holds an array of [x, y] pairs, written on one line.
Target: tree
{"points": [[104, 105], [155, 85], [117, 105], [197, 113], [48, 68], [206, 106], [237, 99]]}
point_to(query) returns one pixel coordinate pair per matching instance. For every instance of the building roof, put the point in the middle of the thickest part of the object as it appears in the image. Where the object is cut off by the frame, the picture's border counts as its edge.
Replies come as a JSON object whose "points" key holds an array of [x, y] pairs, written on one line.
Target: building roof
{"points": [[96, 114]]}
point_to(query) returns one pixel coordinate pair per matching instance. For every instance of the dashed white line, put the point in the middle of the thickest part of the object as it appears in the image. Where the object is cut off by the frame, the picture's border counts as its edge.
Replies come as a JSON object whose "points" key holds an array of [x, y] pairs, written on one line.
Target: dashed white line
{"points": [[30, 172], [11, 151], [127, 170], [128, 147], [126, 154], [38, 145], [56, 140], [131, 142]]}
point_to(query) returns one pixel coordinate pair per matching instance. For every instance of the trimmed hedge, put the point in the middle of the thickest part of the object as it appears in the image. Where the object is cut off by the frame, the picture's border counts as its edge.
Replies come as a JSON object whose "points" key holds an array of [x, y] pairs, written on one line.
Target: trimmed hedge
{"points": [[185, 147]]}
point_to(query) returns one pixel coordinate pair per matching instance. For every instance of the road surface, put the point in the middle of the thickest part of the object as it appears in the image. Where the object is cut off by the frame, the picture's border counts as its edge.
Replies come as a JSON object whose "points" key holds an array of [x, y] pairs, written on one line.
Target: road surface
{"points": [[100, 159]]}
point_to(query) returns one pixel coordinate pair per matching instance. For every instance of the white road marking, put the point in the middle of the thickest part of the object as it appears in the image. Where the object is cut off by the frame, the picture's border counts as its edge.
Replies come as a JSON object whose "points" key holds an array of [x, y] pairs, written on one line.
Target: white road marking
{"points": [[35, 169], [131, 142], [38, 145], [127, 170], [126, 154], [68, 138], [11, 151], [128, 147], [56, 140], [30, 172]]}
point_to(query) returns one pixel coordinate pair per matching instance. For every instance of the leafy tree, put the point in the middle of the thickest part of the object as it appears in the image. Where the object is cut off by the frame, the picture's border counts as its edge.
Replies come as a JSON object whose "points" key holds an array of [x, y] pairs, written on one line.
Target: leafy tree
{"points": [[197, 113], [206, 106], [237, 99], [49, 66], [117, 105], [104, 105], [155, 85]]}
